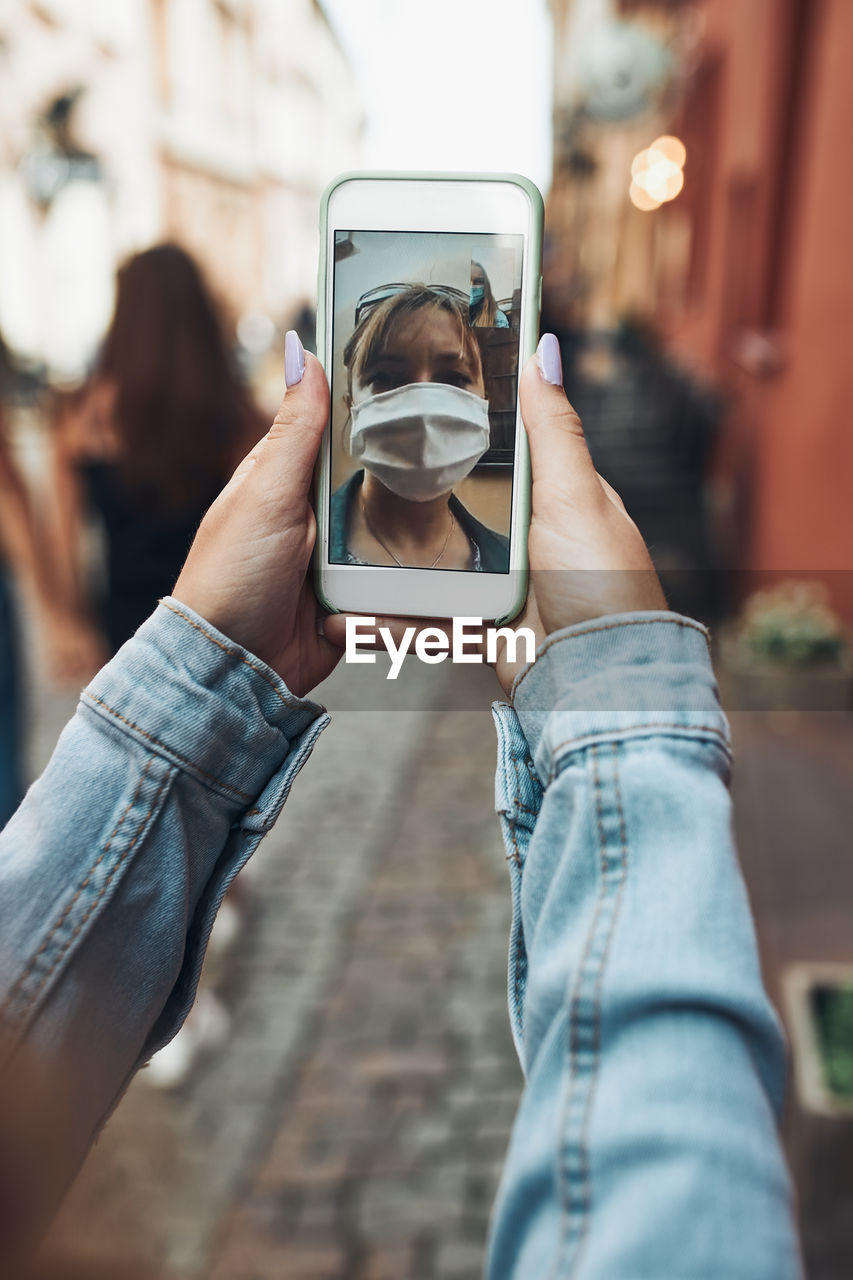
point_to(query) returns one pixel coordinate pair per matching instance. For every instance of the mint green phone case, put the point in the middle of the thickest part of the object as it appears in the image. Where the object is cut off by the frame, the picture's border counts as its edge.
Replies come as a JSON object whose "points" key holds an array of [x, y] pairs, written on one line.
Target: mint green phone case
{"points": [[531, 302]]}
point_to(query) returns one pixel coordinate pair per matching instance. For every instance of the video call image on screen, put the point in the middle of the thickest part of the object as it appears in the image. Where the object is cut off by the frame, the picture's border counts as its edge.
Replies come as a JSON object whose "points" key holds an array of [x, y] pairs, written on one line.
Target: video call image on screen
{"points": [[424, 384]]}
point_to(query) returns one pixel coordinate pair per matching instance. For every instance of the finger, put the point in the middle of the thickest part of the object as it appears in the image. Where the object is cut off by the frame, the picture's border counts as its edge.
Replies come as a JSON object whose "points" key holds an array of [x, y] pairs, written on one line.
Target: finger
{"points": [[245, 466], [311, 619], [288, 451], [559, 456], [612, 494]]}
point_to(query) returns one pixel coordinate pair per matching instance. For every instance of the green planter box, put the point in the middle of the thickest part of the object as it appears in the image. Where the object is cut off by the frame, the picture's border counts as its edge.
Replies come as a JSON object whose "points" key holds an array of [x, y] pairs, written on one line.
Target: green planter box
{"points": [[819, 1128]]}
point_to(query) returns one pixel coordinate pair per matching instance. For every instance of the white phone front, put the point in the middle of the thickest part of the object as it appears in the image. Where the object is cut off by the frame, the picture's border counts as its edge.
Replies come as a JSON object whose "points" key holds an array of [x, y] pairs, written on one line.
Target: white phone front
{"points": [[428, 305]]}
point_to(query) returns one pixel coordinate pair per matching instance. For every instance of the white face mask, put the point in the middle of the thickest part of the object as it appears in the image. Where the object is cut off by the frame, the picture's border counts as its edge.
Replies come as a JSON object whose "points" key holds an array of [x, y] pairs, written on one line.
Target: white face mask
{"points": [[421, 439]]}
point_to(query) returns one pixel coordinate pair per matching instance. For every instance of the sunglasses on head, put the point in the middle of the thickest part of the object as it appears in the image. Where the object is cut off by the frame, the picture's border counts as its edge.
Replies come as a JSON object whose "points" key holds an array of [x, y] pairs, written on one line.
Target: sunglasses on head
{"points": [[373, 297]]}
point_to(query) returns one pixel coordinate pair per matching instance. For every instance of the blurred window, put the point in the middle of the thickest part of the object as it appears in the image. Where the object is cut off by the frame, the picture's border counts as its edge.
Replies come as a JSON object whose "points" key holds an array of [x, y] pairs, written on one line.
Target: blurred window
{"points": [[61, 11], [113, 24], [191, 41]]}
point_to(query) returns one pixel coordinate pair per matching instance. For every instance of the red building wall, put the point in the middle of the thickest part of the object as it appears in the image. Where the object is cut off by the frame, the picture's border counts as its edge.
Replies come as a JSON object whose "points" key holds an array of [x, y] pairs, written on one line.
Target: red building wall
{"points": [[804, 513], [770, 187]]}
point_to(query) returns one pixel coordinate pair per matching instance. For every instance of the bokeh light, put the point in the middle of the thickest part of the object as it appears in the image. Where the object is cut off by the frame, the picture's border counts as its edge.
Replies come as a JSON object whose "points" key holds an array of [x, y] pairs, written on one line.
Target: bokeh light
{"points": [[672, 148], [657, 173], [642, 199]]}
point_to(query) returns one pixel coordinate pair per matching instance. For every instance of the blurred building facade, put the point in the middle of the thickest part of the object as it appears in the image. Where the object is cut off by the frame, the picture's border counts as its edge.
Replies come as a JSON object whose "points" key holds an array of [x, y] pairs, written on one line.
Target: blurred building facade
{"points": [[616, 87], [216, 123], [746, 273], [768, 303]]}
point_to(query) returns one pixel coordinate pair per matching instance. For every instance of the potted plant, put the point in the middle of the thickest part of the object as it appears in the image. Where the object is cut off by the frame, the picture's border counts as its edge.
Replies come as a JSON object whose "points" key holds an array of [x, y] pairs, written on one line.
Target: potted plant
{"points": [[819, 1012], [787, 651]]}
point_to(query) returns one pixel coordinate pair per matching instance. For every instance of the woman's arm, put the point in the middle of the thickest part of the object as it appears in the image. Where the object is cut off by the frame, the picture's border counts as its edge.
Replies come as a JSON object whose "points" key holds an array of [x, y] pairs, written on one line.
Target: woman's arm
{"points": [[71, 443], [18, 538], [73, 645], [176, 764], [69, 644], [646, 1143]]}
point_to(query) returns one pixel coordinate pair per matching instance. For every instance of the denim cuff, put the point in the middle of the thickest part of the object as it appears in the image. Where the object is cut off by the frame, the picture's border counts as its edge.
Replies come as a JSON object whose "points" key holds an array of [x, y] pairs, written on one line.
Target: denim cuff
{"points": [[626, 674], [195, 697]]}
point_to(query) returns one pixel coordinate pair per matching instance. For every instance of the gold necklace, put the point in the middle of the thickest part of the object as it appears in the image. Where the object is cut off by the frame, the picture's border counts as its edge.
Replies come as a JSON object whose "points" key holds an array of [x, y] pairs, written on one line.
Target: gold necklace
{"points": [[385, 547]]}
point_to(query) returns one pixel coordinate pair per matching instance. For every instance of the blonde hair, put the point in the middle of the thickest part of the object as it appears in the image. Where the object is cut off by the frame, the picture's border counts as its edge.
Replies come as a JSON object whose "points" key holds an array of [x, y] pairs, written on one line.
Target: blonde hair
{"points": [[371, 335]]}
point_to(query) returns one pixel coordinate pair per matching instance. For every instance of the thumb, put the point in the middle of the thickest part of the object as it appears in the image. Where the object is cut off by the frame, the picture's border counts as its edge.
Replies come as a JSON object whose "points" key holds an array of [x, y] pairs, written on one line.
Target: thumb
{"points": [[560, 464], [288, 451]]}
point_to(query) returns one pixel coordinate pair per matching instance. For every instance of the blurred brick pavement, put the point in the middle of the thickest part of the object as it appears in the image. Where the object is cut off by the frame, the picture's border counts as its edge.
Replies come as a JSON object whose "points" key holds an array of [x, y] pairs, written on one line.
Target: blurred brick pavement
{"points": [[793, 790]]}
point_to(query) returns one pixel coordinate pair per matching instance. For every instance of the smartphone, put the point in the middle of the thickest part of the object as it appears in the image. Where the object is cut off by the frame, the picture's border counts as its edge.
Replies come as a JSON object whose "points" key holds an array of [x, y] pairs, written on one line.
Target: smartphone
{"points": [[429, 296]]}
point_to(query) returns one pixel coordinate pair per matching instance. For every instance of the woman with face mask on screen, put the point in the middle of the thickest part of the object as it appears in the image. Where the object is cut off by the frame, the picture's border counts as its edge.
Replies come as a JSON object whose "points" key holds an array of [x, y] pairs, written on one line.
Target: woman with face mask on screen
{"points": [[484, 312], [419, 424]]}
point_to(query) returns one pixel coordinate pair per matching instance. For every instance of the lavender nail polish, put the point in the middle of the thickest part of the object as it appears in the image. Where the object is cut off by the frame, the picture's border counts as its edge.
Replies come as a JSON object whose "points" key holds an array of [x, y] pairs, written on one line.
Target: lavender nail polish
{"points": [[294, 358], [550, 361]]}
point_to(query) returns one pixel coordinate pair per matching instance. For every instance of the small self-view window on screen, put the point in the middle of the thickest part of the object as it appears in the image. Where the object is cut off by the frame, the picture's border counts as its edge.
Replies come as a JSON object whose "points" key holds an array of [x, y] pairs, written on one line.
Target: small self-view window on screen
{"points": [[424, 386]]}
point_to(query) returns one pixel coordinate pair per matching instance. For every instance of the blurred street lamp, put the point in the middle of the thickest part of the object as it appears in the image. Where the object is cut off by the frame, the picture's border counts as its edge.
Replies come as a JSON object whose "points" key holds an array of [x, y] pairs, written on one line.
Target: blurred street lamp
{"points": [[66, 303], [624, 71], [56, 159]]}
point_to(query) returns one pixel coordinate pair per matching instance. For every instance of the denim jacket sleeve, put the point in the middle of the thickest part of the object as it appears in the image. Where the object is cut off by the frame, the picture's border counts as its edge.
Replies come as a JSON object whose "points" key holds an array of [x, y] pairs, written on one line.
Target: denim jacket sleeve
{"points": [[179, 758], [646, 1142]]}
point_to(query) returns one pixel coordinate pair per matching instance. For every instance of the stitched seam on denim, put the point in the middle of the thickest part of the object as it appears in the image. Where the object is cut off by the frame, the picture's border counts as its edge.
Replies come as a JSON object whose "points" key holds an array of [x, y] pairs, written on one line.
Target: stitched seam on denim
{"points": [[538, 789], [517, 957], [294, 762], [503, 804], [583, 1041], [76, 931], [234, 653], [78, 928], [515, 856], [609, 626], [624, 732], [617, 902], [523, 808], [22, 981], [244, 795], [520, 971]]}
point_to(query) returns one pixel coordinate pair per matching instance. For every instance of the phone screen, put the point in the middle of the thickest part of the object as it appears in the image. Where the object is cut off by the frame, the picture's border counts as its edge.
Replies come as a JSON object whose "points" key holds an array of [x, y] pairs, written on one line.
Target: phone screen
{"points": [[425, 358]]}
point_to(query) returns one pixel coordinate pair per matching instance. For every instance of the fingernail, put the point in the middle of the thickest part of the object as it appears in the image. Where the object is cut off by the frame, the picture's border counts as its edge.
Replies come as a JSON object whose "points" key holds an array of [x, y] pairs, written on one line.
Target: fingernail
{"points": [[294, 358], [550, 361]]}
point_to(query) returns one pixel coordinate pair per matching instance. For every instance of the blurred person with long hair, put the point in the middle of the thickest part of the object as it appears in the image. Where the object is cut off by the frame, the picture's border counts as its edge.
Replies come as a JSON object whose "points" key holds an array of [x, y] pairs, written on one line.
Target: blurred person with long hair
{"points": [[154, 437], [157, 432]]}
